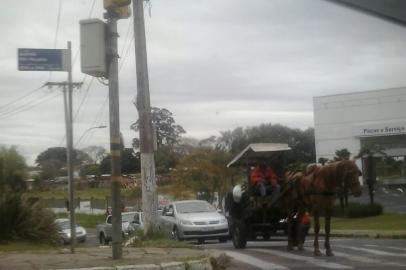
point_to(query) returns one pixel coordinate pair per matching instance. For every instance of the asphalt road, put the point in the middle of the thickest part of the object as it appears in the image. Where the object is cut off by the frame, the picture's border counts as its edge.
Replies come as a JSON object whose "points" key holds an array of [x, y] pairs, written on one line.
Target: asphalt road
{"points": [[349, 254], [392, 199]]}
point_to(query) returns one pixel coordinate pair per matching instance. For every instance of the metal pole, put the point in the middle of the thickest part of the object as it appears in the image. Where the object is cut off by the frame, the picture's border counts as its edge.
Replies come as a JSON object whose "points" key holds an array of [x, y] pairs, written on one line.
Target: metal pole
{"points": [[115, 141], [69, 149], [149, 190]]}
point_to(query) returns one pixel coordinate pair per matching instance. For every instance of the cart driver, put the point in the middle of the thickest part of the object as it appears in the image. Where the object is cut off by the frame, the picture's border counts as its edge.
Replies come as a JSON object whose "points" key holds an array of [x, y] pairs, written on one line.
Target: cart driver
{"points": [[263, 179]]}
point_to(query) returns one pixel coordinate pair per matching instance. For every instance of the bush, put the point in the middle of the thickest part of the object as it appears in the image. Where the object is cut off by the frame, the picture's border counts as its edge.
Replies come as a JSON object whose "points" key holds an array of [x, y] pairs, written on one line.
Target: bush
{"points": [[357, 210], [23, 219]]}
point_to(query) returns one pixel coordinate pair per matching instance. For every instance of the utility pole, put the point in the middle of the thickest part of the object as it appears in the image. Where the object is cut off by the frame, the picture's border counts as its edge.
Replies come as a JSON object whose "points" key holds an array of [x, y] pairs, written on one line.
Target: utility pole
{"points": [[115, 141], [67, 100], [99, 40], [149, 189]]}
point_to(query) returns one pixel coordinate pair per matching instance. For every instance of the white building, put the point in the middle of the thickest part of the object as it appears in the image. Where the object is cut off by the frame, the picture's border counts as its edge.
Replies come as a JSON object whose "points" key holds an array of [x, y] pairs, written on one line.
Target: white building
{"points": [[361, 119]]}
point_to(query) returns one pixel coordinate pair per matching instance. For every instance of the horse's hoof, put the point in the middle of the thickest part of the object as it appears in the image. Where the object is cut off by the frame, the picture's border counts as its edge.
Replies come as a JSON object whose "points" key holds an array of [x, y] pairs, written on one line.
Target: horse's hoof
{"points": [[317, 253], [329, 252], [300, 247]]}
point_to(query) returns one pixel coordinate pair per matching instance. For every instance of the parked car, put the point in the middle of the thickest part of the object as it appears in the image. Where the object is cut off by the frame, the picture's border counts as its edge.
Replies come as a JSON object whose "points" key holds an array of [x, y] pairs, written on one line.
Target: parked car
{"points": [[63, 225], [131, 221], [193, 219]]}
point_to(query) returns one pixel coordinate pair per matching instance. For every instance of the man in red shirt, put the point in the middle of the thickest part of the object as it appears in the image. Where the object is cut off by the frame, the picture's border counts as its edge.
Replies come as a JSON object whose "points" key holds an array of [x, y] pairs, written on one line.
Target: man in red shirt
{"points": [[263, 178]]}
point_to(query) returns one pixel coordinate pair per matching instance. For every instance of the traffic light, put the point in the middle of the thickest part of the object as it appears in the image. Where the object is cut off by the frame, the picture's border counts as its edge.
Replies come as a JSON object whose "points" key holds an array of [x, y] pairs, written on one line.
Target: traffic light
{"points": [[118, 8]]}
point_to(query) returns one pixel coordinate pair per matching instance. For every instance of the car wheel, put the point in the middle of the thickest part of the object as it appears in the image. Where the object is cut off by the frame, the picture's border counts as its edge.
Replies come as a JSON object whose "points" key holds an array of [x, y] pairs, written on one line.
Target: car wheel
{"points": [[175, 234], [239, 235], [266, 236], [223, 239], [61, 241], [103, 240]]}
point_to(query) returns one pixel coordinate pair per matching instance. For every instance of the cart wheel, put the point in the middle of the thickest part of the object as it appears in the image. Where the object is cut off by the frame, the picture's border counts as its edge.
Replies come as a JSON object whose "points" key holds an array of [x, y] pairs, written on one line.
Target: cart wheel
{"points": [[239, 235]]}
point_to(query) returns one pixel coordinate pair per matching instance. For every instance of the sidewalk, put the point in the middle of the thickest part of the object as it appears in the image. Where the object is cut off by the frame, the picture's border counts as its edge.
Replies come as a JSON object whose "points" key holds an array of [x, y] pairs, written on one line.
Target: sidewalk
{"points": [[156, 258]]}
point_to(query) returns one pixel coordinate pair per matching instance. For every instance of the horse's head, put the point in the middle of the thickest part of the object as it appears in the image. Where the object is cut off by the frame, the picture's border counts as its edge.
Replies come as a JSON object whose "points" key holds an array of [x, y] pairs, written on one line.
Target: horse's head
{"points": [[351, 174]]}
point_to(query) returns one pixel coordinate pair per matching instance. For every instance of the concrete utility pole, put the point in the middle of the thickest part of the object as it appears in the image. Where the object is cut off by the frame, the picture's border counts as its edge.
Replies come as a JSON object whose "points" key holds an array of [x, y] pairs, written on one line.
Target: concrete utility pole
{"points": [[67, 100], [149, 190], [115, 141]]}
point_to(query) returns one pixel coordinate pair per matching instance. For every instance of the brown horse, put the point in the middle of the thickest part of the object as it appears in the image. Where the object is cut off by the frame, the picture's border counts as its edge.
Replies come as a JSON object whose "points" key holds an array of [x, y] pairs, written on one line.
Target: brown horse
{"points": [[321, 186], [294, 202]]}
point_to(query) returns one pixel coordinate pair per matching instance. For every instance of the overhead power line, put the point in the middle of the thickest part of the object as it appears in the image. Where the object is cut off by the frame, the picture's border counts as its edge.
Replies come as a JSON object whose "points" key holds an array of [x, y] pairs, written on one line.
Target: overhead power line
{"points": [[29, 106], [2, 107]]}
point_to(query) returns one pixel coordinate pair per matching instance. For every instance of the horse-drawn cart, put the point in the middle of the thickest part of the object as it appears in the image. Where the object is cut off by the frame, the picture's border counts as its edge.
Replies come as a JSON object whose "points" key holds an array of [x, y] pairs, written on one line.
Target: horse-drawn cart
{"points": [[250, 215]]}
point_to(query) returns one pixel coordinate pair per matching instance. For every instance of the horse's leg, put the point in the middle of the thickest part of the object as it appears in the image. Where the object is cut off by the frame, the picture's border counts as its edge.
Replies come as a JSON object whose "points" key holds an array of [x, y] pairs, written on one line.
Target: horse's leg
{"points": [[290, 232], [329, 252], [300, 232], [316, 233]]}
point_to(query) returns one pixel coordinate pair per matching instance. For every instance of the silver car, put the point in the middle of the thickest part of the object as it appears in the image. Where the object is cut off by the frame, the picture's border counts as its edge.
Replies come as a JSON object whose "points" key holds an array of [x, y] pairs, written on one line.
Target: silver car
{"points": [[63, 225], [194, 219]]}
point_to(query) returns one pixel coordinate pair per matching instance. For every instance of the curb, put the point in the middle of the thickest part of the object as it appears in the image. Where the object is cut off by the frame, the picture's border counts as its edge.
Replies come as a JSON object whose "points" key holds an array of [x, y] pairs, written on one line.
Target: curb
{"points": [[203, 264]]}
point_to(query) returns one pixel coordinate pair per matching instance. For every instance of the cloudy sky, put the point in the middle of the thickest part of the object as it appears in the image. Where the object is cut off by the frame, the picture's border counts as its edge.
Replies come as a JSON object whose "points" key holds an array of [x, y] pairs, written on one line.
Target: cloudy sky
{"points": [[216, 64]]}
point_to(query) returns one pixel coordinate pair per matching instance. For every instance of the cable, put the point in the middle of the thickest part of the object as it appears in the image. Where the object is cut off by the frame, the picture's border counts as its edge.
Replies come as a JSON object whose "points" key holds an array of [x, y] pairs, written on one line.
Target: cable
{"points": [[125, 55], [20, 98], [58, 20], [45, 99], [21, 106], [83, 99]]}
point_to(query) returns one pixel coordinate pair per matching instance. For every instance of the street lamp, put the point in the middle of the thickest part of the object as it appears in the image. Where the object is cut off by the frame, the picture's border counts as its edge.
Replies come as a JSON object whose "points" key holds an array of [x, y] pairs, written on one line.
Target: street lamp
{"points": [[86, 131]]}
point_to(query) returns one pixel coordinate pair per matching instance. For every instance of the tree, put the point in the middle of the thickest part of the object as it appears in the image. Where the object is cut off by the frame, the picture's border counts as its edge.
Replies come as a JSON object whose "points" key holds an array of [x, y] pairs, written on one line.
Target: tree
{"points": [[301, 141], [96, 153], [12, 170], [167, 132], [53, 160], [368, 153], [342, 154], [204, 171], [130, 162]]}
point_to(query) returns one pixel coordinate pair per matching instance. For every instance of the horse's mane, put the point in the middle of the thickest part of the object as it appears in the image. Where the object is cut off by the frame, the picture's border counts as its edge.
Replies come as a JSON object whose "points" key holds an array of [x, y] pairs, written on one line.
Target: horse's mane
{"points": [[312, 168]]}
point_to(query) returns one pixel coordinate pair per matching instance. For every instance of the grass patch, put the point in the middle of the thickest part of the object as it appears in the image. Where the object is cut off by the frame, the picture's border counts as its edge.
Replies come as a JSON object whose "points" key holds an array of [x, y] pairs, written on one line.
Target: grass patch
{"points": [[25, 246], [85, 220], [157, 239], [384, 222]]}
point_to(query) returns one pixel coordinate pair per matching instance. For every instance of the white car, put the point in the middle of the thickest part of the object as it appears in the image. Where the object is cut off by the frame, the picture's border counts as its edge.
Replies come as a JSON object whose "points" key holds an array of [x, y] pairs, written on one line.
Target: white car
{"points": [[130, 221], [63, 225], [194, 219]]}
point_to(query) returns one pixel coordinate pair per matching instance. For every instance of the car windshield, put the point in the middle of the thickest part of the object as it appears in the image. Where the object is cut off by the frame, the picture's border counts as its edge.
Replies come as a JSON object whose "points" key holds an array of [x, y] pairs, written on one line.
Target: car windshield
{"points": [[127, 217], [194, 207], [65, 225]]}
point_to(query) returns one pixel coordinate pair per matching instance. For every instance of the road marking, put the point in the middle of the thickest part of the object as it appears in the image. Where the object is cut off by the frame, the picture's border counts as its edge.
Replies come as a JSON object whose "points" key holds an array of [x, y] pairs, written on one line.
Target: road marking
{"points": [[375, 251], [311, 260], [397, 248], [363, 259], [254, 261]]}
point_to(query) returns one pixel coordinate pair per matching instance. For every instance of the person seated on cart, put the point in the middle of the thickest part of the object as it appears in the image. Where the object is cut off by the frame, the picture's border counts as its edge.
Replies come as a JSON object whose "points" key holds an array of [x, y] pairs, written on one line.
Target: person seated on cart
{"points": [[271, 179], [263, 179]]}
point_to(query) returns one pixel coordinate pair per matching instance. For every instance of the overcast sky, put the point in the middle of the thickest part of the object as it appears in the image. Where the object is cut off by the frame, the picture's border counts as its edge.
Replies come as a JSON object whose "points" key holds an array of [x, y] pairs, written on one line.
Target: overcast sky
{"points": [[216, 64]]}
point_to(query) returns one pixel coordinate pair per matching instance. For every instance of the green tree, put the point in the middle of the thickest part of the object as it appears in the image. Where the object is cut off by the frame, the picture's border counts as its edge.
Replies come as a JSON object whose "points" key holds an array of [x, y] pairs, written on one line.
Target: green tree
{"points": [[13, 170], [204, 171], [167, 131], [342, 154], [96, 153], [301, 141], [53, 160], [130, 162]]}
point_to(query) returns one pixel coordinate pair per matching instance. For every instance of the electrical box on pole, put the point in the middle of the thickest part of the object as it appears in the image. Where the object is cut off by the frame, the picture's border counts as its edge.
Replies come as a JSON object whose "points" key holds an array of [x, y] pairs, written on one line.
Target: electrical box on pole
{"points": [[93, 54]]}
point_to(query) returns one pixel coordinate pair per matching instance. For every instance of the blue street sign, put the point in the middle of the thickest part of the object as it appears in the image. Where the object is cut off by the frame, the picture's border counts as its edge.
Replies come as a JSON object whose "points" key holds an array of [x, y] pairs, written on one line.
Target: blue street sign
{"points": [[42, 59]]}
